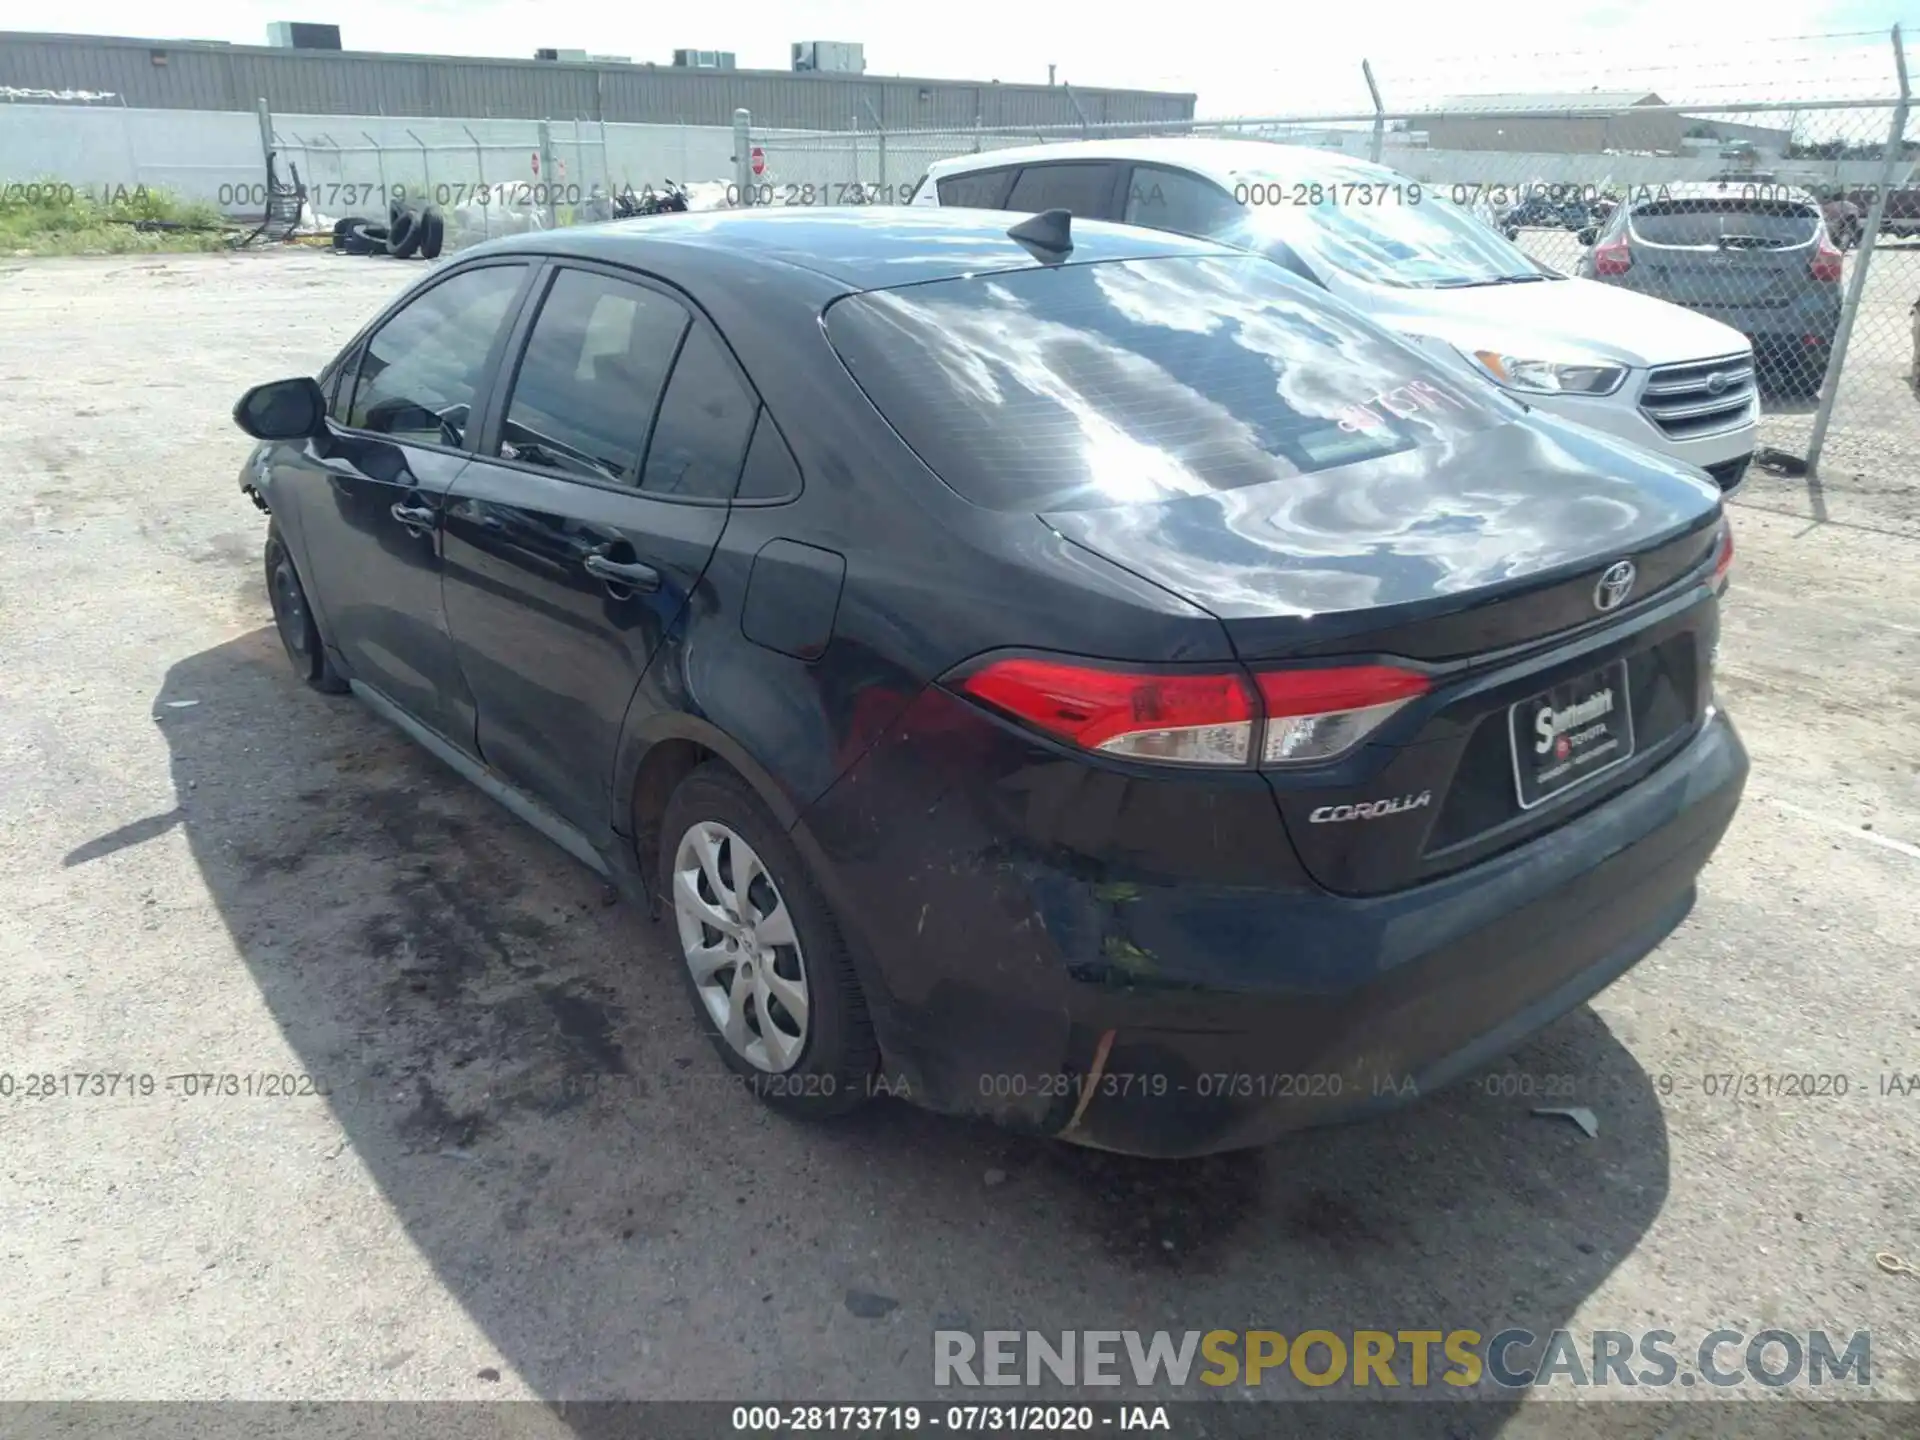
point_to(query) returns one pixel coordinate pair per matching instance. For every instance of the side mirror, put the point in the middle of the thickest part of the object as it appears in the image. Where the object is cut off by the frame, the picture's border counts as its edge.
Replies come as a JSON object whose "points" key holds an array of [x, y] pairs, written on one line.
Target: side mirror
{"points": [[283, 410], [1587, 235]]}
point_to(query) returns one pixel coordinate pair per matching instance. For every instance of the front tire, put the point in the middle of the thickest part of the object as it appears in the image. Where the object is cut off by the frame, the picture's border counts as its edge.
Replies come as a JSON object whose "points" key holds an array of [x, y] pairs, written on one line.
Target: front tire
{"points": [[769, 975], [293, 618]]}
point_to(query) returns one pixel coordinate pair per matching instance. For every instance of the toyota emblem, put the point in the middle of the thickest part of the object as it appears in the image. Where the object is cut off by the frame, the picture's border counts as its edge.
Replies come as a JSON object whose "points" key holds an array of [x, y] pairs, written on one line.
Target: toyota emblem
{"points": [[1716, 383], [1616, 583]]}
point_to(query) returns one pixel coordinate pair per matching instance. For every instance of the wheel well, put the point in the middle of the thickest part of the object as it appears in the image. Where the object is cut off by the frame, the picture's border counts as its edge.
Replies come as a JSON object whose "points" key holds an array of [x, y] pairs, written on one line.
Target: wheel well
{"points": [[662, 769]]}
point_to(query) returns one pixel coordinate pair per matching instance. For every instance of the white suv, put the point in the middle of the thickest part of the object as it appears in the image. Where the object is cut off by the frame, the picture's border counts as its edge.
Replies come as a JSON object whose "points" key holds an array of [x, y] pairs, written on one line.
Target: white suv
{"points": [[1627, 364]]}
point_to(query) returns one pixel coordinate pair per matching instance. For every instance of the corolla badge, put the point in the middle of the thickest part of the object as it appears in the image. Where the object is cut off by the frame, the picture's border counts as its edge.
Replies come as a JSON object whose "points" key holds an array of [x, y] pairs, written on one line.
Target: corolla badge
{"points": [[1616, 583], [1369, 809]]}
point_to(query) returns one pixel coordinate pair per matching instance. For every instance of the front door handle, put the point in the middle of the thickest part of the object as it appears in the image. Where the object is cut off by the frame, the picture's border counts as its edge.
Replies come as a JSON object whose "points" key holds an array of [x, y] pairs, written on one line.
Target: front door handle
{"points": [[417, 518], [630, 574]]}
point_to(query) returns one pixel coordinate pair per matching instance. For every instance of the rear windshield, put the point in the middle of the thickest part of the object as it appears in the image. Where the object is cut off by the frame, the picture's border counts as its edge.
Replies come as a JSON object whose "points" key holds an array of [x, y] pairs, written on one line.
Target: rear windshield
{"points": [[1077, 386], [1763, 224]]}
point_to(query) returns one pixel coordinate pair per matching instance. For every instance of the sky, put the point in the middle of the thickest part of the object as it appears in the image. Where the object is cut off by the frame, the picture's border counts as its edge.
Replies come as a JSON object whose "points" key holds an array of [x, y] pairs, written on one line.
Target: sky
{"points": [[1239, 58]]}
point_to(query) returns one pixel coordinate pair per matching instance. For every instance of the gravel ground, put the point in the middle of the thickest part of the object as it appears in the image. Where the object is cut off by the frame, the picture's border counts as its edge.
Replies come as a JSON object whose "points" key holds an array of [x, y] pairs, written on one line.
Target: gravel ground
{"points": [[527, 1179]]}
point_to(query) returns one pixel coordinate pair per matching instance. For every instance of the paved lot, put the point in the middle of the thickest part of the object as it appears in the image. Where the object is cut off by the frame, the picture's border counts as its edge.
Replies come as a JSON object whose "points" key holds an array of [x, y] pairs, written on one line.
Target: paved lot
{"points": [[526, 1179]]}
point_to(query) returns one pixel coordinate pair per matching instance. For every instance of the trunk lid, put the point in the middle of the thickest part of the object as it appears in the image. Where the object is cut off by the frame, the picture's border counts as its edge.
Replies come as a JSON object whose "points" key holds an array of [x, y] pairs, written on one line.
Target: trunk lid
{"points": [[1495, 543]]}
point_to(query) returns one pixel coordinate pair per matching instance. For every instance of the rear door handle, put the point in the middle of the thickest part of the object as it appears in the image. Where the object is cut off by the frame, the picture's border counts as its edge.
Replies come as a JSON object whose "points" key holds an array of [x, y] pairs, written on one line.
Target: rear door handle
{"points": [[417, 518], [631, 574]]}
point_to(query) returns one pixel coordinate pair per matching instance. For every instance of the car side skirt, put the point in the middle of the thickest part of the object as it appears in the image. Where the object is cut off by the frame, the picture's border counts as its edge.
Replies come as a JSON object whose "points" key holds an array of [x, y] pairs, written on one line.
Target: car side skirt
{"points": [[560, 832]]}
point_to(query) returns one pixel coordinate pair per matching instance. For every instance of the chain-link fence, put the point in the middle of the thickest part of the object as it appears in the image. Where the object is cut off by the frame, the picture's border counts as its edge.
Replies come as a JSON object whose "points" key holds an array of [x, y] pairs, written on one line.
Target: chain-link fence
{"points": [[1792, 222], [487, 178]]}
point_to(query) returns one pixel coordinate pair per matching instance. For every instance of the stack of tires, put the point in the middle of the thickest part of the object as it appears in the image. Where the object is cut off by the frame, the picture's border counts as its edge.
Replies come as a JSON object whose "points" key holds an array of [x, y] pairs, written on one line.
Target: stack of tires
{"points": [[408, 232]]}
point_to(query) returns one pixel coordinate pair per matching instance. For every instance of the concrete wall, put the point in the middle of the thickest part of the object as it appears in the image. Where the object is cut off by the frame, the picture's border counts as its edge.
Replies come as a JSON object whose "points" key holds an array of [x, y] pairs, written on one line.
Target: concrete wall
{"points": [[192, 153], [348, 162]]}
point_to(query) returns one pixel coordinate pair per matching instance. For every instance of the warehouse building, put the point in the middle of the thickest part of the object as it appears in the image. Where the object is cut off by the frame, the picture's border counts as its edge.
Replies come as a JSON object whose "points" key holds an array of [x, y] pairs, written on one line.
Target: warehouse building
{"points": [[208, 75], [1634, 120]]}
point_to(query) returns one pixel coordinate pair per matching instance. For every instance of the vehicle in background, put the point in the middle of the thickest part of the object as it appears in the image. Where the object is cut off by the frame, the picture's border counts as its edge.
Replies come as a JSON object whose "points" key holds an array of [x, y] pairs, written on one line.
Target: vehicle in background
{"points": [[1759, 260], [1901, 215], [1679, 383], [1021, 659], [1547, 210]]}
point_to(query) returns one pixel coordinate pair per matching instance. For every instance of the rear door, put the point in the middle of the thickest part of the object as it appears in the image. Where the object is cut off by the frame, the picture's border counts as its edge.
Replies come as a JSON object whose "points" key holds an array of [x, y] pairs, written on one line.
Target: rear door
{"points": [[573, 544]]}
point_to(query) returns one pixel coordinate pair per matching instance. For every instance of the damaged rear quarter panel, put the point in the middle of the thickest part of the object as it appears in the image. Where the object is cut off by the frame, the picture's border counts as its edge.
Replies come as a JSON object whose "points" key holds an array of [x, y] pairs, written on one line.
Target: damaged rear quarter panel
{"points": [[1014, 900]]}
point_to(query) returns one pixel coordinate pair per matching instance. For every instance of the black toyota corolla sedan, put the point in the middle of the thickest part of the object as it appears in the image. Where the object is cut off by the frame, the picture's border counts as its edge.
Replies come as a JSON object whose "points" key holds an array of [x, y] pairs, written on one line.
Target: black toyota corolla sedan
{"points": [[1072, 674]]}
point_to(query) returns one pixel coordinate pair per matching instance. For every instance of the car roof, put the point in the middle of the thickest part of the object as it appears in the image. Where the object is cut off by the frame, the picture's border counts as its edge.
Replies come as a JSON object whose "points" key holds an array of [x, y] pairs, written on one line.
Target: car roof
{"points": [[852, 247], [1219, 159]]}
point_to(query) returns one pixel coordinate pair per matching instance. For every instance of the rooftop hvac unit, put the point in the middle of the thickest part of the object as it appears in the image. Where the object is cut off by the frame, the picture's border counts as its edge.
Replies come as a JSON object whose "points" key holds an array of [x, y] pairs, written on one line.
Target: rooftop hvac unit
{"points": [[704, 59], [575, 56], [293, 35], [835, 56]]}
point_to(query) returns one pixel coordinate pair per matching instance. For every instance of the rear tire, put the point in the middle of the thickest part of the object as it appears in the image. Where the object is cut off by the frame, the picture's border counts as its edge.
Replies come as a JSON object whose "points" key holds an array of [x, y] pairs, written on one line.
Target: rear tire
{"points": [[770, 978], [293, 618]]}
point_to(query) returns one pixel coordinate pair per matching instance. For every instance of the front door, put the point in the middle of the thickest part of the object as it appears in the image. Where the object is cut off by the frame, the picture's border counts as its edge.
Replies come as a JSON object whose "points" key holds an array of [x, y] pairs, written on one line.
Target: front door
{"points": [[574, 544], [370, 495]]}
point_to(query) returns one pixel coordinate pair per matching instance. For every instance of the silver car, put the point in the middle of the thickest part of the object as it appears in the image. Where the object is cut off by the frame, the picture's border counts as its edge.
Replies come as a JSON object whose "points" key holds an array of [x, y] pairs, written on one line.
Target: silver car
{"points": [[1754, 256]]}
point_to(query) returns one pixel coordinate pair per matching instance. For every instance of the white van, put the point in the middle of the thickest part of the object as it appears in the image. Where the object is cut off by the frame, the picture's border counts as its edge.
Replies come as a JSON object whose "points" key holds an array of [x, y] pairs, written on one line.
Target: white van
{"points": [[1643, 369]]}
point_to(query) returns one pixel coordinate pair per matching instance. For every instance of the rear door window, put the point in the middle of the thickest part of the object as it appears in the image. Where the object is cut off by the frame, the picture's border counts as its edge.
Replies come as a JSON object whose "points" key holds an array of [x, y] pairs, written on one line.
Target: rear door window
{"points": [[1726, 224], [590, 380], [979, 190], [1083, 188], [1076, 386]]}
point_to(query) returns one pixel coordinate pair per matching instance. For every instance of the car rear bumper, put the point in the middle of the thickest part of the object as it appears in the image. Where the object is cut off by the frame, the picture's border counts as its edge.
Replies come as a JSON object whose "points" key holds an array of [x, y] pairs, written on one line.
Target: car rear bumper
{"points": [[1021, 983]]}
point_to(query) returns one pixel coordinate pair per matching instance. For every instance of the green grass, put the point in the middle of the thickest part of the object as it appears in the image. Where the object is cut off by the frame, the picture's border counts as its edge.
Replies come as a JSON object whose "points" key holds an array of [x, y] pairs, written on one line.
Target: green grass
{"points": [[49, 217]]}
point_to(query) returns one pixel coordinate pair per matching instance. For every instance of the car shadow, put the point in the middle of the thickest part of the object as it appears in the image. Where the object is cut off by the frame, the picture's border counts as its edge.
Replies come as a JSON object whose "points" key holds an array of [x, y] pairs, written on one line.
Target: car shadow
{"points": [[514, 1062]]}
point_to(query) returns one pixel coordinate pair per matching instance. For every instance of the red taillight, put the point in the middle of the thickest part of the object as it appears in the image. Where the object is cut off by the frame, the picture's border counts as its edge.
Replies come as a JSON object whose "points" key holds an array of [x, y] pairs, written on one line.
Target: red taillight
{"points": [[1191, 719], [1197, 718], [1613, 258], [1723, 557], [1826, 264]]}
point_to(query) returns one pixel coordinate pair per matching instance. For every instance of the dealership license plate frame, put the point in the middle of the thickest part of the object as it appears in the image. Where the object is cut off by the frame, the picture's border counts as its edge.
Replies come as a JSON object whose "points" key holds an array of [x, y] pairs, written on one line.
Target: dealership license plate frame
{"points": [[1586, 683]]}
